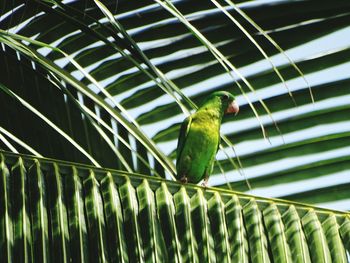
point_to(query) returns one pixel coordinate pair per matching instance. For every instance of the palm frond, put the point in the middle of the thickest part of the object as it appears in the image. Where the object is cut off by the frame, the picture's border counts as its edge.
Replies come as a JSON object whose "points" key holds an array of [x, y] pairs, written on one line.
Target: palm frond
{"points": [[69, 211], [154, 67]]}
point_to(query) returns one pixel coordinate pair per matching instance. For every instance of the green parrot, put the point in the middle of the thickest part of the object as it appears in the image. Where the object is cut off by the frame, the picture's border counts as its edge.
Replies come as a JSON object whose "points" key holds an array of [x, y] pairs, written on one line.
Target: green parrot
{"points": [[199, 138]]}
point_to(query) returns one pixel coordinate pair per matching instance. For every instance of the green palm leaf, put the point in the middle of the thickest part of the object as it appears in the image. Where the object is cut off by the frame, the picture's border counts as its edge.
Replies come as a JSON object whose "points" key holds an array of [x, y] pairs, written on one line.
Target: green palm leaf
{"points": [[108, 84], [162, 226], [155, 68]]}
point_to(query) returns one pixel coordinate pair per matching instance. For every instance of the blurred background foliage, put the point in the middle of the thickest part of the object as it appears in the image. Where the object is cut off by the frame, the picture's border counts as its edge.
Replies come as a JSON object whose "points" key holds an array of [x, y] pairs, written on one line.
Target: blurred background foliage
{"points": [[108, 83]]}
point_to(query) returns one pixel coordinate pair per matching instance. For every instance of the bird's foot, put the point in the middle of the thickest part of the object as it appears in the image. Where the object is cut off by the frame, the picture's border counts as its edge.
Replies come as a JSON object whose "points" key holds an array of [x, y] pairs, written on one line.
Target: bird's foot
{"points": [[205, 182], [184, 179]]}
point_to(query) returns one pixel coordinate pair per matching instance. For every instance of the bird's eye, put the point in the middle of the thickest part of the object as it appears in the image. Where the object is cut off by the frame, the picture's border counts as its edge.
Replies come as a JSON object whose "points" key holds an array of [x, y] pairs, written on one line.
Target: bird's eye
{"points": [[224, 97]]}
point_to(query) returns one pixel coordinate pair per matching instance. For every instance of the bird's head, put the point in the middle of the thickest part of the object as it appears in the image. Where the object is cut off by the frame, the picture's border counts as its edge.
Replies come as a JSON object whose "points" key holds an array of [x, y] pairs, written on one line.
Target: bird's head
{"points": [[227, 101]]}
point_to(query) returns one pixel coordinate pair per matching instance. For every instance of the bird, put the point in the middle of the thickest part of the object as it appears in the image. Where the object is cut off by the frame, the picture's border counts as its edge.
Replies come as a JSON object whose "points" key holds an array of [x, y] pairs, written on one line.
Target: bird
{"points": [[199, 138]]}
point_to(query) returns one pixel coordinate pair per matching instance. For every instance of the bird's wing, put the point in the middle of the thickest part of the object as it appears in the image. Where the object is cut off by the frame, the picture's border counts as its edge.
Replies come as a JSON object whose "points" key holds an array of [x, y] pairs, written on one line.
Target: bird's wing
{"points": [[217, 148], [185, 127]]}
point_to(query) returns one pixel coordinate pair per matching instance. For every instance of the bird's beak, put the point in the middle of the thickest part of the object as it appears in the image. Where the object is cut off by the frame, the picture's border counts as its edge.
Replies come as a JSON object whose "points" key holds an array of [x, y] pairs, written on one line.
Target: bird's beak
{"points": [[232, 108]]}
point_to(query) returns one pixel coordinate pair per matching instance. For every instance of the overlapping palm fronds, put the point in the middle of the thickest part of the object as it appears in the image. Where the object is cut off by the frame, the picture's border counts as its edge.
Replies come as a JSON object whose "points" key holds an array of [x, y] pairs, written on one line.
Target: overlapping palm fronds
{"points": [[112, 82]]}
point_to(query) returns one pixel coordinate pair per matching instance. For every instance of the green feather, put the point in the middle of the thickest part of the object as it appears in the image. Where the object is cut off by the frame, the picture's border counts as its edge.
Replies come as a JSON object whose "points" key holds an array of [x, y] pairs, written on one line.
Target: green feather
{"points": [[185, 127], [199, 138]]}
